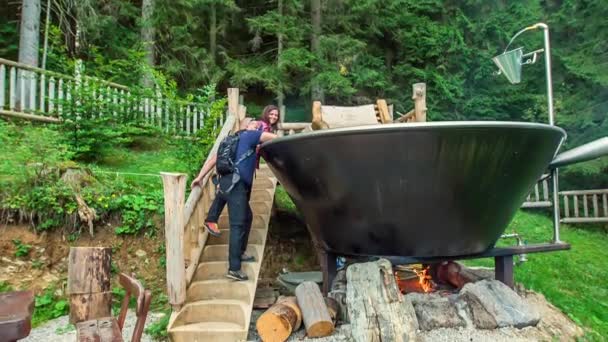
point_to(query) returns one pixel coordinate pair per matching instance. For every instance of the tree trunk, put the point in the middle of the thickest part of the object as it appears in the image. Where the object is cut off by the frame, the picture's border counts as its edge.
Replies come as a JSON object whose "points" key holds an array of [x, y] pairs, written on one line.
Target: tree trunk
{"points": [[29, 41], [377, 309], [315, 11], [147, 37], [29, 32], [89, 285], [213, 31], [46, 33], [280, 94], [315, 314]]}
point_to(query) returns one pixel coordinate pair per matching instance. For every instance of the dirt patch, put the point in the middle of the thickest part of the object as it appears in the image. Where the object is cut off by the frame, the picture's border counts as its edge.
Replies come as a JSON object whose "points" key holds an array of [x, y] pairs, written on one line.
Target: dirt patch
{"points": [[45, 265]]}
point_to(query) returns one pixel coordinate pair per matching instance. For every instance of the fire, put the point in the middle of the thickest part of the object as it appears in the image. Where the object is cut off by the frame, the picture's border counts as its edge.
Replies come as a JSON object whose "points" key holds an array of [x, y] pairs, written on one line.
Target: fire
{"points": [[424, 279], [419, 281]]}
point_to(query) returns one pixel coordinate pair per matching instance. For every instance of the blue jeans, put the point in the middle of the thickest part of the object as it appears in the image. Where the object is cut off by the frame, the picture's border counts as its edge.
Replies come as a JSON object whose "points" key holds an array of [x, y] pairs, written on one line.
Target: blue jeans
{"points": [[240, 218]]}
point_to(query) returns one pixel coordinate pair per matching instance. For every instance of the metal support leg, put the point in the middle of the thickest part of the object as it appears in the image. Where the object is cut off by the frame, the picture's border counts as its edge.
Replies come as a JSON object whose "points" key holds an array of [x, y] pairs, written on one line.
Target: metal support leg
{"points": [[503, 270], [329, 268], [556, 218]]}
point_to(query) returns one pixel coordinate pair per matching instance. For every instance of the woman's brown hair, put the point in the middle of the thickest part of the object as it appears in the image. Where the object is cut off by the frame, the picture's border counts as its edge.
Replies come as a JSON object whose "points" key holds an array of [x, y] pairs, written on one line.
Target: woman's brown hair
{"points": [[266, 116]]}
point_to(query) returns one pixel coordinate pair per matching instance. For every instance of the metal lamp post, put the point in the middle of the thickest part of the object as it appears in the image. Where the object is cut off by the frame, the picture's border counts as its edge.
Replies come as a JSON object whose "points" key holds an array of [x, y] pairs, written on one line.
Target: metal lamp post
{"points": [[510, 64]]}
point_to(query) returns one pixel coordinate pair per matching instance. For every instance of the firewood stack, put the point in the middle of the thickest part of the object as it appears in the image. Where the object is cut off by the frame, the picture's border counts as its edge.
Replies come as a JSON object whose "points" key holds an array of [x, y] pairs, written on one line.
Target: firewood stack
{"points": [[287, 314]]}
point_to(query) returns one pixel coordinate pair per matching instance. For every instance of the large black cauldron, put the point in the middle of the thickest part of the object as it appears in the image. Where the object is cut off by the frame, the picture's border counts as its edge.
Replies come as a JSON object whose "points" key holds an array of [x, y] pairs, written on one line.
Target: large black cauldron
{"points": [[424, 190]]}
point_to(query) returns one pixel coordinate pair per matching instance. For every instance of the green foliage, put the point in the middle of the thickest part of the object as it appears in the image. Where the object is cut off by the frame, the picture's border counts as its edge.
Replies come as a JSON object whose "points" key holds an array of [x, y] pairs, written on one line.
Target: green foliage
{"points": [[572, 280], [283, 202], [137, 211], [5, 287], [48, 306], [158, 329], [21, 249]]}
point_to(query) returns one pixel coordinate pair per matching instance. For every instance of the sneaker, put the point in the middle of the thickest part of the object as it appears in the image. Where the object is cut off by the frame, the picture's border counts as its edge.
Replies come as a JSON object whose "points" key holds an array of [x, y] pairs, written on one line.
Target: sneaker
{"points": [[212, 228], [247, 258], [236, 275]]}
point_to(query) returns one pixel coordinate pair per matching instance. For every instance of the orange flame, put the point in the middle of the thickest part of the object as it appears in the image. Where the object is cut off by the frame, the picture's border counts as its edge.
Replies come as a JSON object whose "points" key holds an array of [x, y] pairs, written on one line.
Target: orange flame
{"points": [[424, 279], [422, 283]]}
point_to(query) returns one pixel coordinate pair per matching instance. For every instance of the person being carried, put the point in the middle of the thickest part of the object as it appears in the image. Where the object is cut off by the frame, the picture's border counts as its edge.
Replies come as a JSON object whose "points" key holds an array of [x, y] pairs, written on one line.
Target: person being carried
{"points": [[236, 195]]}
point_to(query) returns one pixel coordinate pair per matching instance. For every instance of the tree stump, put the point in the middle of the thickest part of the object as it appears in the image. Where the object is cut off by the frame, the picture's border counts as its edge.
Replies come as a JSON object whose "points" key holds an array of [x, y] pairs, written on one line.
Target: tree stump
{"points": [[89, 283], [279, 321], [377, 309], [315, 314]]}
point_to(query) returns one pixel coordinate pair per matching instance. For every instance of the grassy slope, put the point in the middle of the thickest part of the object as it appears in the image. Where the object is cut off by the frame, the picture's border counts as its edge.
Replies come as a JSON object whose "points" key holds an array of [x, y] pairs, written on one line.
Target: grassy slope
{"points": [[576, 280]]}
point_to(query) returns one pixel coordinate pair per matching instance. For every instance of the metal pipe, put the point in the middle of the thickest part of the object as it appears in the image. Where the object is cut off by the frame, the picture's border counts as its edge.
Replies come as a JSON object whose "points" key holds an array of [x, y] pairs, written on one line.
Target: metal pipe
{"points": [[545, 29], [555, 176]]}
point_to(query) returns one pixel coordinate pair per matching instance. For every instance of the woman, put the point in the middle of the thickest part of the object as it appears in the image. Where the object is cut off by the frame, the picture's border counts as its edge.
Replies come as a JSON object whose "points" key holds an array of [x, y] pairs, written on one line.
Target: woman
{"points": [[269, 122]]}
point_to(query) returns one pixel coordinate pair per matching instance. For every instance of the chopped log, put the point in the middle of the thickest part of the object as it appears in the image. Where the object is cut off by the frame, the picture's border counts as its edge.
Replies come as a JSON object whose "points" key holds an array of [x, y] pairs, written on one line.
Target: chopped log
{"points": [[292, 302], [315, 314], [89, 285], [455, 274], [333, 308], [277, 323], [377, 309]]}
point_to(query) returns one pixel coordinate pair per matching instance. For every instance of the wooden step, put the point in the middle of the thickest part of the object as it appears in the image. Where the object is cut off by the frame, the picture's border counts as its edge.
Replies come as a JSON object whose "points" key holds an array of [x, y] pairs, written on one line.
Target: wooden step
{"points": [[256, 236], [220, 289], [215, 310], [208, 332], [210, 270], [258, 222], [263, 183], [220, 252], [262, 195]]}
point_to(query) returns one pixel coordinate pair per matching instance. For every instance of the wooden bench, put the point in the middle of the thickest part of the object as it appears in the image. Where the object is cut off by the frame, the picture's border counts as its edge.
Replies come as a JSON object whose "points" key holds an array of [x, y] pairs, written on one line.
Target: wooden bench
{"points": [[109, 329], [327, 117]]}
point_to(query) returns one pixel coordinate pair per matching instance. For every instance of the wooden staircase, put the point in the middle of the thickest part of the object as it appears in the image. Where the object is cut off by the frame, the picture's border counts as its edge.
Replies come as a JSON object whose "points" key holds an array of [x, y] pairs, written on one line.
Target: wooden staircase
{"points": [[217, 308]]}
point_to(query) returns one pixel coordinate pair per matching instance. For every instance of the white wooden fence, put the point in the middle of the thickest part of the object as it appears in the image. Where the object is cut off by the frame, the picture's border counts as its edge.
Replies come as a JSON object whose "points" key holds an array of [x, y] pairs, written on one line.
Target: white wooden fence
{"points": [[36, 94], [576, 206]]}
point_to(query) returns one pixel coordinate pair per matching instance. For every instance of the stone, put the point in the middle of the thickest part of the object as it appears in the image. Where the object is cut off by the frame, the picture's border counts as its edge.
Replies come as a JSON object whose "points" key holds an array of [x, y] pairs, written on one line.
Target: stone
{"points": [[140, 253], [6, 260], [493, 304], [436, 312]]}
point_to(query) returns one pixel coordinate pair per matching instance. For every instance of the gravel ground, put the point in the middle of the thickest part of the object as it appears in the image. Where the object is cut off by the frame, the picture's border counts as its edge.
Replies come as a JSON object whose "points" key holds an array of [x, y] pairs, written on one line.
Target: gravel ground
{"points": [[58, 330]]}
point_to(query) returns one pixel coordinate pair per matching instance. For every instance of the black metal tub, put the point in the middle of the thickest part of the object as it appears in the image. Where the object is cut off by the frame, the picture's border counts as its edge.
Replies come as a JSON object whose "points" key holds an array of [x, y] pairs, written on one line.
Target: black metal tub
{"points": [[425, 190]]}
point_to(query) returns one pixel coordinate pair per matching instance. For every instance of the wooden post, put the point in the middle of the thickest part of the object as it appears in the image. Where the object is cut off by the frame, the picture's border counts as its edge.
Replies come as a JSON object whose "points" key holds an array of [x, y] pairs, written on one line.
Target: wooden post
{"points": [[242, 113], [316, 112], [233, 105], [174, 185], [385, 116], [419, 97], [89, 285], [315, 314]]}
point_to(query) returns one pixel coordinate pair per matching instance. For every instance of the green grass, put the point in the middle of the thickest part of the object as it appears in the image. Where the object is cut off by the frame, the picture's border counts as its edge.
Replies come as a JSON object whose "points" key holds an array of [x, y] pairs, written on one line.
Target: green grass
{"points": [[576, 281]]}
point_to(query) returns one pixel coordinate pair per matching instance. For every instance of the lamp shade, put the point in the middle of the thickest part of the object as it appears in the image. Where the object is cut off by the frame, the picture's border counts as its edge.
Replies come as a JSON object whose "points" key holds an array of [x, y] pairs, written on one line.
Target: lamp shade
{"points": [[509, 64]]}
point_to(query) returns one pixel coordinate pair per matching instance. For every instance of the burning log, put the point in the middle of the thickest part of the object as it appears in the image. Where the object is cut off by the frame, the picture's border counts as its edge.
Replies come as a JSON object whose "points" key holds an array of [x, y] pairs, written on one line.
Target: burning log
{"points": [[317, 319], [414, 278], [455, 274]]}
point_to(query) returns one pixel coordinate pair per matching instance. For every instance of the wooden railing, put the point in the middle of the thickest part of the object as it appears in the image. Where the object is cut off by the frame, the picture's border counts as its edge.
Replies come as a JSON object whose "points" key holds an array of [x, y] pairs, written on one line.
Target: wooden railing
{"points": [[36, 94], [291, 128], [539, 197], [586, 210], [184, 233]]}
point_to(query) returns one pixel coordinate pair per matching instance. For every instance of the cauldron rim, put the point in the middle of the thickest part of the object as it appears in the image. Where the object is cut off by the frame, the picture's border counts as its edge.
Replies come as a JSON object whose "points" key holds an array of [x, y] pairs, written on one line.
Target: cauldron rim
{"points": [[417, 126]]}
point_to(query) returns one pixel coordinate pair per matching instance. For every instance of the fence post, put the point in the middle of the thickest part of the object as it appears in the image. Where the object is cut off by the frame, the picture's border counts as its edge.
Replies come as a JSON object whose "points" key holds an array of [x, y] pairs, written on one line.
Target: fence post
{"points": [[174, 185]]}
